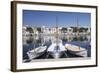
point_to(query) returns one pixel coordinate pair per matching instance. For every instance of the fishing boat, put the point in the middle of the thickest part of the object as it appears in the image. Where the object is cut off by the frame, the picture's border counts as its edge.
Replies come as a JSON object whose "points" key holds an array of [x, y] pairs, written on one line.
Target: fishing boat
{"points": [[36, 52], [57, 49], [76, 50]]}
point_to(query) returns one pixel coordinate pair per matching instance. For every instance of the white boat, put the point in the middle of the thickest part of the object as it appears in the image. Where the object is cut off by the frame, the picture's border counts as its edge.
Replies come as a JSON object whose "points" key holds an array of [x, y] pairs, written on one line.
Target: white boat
{"points": [[36, 52], [56, 49], [76, 50]]}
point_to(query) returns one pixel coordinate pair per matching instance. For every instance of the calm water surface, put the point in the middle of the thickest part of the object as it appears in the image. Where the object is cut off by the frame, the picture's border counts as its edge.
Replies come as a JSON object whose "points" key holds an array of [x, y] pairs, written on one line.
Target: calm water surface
{"points": [[31, 42]]}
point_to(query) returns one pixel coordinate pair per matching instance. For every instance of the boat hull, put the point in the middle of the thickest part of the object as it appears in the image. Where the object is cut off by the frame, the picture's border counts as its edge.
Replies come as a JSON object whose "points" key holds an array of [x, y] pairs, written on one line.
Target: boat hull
{"points": [[56, 49], [78, 54], [56, 55], [36, 52], [76, 50]]}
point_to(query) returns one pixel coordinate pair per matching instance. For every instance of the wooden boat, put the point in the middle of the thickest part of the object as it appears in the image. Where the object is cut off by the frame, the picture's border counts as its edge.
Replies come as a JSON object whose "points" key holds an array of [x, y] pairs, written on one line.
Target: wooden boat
{"points": [[76, 50]]}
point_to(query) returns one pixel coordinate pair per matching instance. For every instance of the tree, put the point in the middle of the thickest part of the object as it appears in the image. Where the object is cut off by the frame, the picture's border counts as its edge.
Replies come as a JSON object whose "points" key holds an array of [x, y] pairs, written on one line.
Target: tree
{"points": [[83, 29], [39, 29], [75, 29], [64, 30], [29, 29]]}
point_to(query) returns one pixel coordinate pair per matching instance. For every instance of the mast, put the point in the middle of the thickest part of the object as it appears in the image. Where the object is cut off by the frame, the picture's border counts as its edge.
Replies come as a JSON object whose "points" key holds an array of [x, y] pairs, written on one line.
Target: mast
{"points": [[78, 36], [77, 27], [57, 30]]}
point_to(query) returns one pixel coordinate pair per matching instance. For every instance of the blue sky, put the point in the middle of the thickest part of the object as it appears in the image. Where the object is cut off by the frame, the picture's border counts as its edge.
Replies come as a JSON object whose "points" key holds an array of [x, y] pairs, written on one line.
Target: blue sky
{"points": [[48, 18]]}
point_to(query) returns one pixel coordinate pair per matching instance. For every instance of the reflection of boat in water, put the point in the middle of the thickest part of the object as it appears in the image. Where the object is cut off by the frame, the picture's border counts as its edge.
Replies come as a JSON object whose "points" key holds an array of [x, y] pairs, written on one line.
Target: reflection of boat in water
{"points": [[76, 50], [56, 49], [36, 52]]}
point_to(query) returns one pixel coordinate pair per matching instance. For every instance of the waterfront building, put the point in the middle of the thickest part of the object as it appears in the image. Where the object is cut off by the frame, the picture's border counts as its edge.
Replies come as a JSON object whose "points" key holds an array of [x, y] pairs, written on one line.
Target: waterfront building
{"points": [[35, 31], [24, 31], [89, 30], [48, 30]]}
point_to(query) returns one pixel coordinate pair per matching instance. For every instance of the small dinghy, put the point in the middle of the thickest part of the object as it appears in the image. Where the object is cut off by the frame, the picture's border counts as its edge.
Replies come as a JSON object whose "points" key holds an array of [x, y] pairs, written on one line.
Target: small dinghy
{"points": [[36, 52]]}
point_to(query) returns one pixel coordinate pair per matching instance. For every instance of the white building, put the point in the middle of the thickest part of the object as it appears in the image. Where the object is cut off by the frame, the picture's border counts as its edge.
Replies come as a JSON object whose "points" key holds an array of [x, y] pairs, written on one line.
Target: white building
{"points": [[24, 31], [35, 30], [51, 30]]}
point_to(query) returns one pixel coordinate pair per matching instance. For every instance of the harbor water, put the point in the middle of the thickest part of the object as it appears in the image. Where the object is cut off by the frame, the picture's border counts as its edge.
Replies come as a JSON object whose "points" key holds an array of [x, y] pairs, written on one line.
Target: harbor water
{"points": [[33, 41]]}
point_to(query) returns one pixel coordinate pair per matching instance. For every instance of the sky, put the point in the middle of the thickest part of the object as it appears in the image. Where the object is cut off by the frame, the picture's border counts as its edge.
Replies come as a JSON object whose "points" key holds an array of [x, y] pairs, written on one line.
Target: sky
{"points": [[48, 18]]}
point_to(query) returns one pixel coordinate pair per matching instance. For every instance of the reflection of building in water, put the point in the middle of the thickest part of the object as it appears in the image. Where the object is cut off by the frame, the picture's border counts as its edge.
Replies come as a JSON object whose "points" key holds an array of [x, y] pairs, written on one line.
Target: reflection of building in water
{"points": [[88, 38], [27, 40], [48, 38], [69, 30], [69, 38], [24, 41]]}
